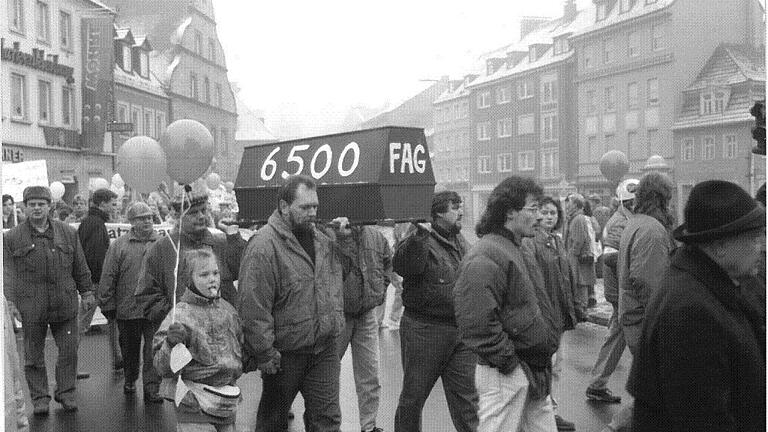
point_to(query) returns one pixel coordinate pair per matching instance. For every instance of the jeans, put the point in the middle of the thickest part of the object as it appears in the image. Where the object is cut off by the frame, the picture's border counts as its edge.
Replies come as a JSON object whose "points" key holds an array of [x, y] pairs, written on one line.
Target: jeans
{"points": [[316, 376], [67, 339], [131, 334], [610, 353], [363, 334], [505, 406], [430, 351]]}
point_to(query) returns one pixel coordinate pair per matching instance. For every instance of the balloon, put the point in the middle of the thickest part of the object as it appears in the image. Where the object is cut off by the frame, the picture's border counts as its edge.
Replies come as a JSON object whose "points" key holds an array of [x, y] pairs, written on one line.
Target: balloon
{"points": [[119, 190], [188, 147], [214, 181], [141, 162], [229, 186], [57, 190], [117, 180], [97, 183], [614, 164]]}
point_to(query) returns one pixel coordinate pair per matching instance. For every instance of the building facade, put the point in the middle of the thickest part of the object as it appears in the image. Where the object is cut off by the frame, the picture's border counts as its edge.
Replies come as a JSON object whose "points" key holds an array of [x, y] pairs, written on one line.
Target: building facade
{"points": [[42, 90], [634, 60]]}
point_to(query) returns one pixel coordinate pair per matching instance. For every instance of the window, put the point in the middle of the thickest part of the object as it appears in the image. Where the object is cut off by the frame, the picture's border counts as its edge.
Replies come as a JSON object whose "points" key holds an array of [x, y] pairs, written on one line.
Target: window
{"points": [[136, 120], [706, 103], [65, 30], [657, 37], [633, 148], [218, 95], [609, 97], [601, 11], [686, 152], [549, 89], [504, 127], [504, 162], [561, 45], [144, 63], [18, 97], [212, 50], [122, 112], [719, 102], [207, 90], [550, 163], [44, 102], [149, 123], [549, 126], [633, 44], [483, 164], [593, 152], [653, 91], [193, 85], [503, 95], [525, 161], [589, 57], [632, 95], [525, 124], [447, 114], [198, 43], [224, 142], [482, 131], [654, 141], [67, 106], [709, 148], [730, 147], [625, 6], [464, 109], [456, 113], [43, 22], [127, 58], [608, 50], [524, 90], [483, 100], [591, 102], [17, 16]]}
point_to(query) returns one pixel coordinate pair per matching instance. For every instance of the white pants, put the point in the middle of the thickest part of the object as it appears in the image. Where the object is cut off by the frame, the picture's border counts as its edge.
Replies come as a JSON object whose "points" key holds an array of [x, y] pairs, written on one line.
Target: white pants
{"points": [[505, 405]]}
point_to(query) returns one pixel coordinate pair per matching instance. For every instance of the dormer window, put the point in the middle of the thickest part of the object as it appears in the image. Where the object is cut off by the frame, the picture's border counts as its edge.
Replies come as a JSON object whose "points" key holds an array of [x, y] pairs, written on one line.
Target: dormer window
{"points": [[127, 58], [561, 45], [601, 10], [532, 54], [713, 101], [144, 63]]}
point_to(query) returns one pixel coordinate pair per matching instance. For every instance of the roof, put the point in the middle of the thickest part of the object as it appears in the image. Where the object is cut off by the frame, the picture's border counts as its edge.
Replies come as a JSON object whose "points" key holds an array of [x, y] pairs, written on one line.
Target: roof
{"points": [[250, 124], [731, 64], [616, 16], [131, 79], [414, 112], [152, 18]]}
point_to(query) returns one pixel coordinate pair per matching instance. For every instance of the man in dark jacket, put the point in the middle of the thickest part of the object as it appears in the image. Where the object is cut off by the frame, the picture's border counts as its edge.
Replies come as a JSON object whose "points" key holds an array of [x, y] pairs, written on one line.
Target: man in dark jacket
{"points": [[505, 317], [95, 241], [428, 260], [43, 270], [700, 363]]}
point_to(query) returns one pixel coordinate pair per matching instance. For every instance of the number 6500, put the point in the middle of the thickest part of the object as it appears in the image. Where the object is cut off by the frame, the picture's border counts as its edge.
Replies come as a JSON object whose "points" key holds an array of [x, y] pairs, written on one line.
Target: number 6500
{"points": [[269, 167]]}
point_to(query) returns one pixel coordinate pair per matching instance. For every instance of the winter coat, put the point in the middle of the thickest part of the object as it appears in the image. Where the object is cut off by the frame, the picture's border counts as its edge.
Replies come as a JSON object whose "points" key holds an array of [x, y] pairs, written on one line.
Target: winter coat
{"points": [[601, 214], [43, 283], [578, 245], [120, 275], [611, 241], [95, 240], [643, 258], [373, 260], [502, 315], [215, 339], [288, 302], [548, 252], [428, 263], [154, 291], [700, 364]]}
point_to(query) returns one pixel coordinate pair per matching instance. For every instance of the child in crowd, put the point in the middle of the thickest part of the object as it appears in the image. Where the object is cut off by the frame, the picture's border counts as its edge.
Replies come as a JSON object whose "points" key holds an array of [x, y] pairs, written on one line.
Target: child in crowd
{"points": [[210, 328]]}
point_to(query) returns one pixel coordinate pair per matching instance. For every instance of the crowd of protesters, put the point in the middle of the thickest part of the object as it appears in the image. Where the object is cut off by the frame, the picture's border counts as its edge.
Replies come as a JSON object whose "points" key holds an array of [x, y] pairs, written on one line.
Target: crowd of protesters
{"points": [[487, 319]]}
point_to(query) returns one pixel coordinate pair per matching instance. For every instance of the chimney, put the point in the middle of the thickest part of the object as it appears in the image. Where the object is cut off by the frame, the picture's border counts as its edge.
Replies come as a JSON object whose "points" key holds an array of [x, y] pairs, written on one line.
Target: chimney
{"points": [[569, 10], [529, 24]]}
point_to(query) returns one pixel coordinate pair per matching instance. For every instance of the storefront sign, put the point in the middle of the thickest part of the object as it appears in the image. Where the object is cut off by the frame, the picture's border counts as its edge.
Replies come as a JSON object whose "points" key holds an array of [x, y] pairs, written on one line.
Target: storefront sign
{"points": [[36, 60], [98, 83], [12, 154], [60, 137], [119, 127]]}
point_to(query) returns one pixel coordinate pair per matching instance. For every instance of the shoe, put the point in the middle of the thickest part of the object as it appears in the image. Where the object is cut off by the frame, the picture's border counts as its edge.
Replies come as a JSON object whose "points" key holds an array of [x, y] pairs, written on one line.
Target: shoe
{"points": [[602, 395], [152, 398], [563, 424], [83, 375], [591, 303], [129, 388], [68, 405], [40, 408]]}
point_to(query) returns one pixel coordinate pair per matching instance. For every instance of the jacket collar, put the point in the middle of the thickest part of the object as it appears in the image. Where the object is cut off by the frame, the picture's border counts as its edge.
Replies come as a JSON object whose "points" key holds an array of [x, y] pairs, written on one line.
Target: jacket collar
{"points": [[277, 223], [133, 237], [190, 297], [95, 211], [509, 235], [206, 239], [701, 267], [459, 244], [33, 232]]}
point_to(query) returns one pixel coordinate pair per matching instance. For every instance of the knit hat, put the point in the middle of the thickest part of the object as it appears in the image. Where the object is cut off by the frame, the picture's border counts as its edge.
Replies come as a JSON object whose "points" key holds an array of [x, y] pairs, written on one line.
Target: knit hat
{"points": [[138, 209], [190, 199], [717, 209], [37, 192]]}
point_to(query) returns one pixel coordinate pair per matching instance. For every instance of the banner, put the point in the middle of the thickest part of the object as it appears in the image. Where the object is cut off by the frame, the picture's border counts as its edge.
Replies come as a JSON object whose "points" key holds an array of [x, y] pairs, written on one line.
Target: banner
{"points": [[98, 62], [17, 176]]}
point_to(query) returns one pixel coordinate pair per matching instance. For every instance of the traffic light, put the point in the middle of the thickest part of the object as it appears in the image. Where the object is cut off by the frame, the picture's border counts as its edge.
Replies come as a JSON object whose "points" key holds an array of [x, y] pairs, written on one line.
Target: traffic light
{"points": [[758, 131]]}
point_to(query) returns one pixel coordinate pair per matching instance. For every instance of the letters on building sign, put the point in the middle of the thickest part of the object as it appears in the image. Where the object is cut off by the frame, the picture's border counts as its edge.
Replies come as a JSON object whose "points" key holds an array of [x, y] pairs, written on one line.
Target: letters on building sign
{"points": [[61, 137], [36, 60], [13, 155]]}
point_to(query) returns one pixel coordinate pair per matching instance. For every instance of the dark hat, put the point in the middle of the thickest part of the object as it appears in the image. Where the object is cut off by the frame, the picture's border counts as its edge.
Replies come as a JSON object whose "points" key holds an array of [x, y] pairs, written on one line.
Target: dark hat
{"points": [[190, 199], [138, 209], [717, 209], [37, 192]]}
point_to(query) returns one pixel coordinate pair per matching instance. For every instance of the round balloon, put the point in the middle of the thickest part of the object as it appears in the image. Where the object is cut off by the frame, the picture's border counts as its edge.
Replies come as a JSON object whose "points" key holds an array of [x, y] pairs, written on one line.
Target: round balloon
{"points": [[97, 183], [614, 164], [141, 162], [117, 180], [119, 190], [188, 147], [213, 181], [57, 190], [229, 186]]}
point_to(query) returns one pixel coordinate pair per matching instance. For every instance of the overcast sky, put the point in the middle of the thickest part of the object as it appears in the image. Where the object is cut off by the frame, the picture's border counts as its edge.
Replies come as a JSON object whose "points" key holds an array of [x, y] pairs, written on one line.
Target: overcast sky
{"points": [[304, 63]]}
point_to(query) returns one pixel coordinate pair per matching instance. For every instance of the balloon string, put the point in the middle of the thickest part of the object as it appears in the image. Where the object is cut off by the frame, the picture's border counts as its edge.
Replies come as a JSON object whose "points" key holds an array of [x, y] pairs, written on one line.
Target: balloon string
{"points": [[178, 253]]}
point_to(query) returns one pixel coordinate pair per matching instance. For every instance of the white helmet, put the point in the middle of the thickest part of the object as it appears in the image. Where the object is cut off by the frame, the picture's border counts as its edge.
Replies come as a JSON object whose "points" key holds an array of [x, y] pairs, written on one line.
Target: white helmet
{"points": [[626, 189]]}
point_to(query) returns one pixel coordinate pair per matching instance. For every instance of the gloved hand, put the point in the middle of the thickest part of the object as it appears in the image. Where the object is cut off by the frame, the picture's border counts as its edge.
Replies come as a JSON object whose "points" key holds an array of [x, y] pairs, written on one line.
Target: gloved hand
{"points": [[272, 366], [87, 300], [176, 334]]}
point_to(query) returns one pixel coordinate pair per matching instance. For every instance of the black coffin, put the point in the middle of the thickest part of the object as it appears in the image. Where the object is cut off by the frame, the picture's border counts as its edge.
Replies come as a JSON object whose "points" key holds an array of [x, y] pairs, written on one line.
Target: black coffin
{"points": [[367, 175]]}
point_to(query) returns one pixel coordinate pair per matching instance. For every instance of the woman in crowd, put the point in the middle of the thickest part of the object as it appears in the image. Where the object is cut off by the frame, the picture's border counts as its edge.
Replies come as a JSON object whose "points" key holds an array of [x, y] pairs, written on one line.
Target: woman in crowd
{"points": [[79, 209]]}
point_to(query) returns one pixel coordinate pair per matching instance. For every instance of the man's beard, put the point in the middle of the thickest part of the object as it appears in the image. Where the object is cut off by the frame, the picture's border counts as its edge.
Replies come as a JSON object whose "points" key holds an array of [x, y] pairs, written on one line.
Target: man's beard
{"points": [[306, 226]]}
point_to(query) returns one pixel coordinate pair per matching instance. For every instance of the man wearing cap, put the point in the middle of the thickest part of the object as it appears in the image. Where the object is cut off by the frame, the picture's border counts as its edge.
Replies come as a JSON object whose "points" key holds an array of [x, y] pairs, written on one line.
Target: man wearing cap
{"points": [[700, 364], [428, 260], [119, 277], [155, 288], [613, 347], [44, 268]]}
